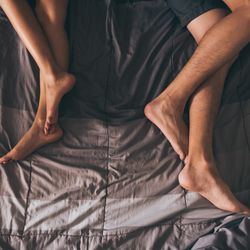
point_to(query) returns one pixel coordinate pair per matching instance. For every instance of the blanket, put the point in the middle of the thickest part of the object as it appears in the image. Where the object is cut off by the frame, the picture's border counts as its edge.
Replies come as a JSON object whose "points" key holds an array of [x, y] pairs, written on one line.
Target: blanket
{"points": [[111, 182]]}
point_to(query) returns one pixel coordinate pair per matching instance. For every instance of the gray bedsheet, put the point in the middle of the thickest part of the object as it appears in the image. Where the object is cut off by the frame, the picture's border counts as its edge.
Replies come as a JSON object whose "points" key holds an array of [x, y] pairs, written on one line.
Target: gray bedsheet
{"points": [[111, 181]]}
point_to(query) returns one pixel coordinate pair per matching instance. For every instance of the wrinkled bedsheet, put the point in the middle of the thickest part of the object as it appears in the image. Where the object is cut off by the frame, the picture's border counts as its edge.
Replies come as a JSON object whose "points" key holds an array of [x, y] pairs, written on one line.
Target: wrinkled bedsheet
{"points": [[111, 181]]}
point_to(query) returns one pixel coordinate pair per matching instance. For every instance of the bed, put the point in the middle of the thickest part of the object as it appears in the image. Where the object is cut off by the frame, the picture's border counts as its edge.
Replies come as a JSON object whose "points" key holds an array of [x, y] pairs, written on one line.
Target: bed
{"points": [[111, 181]]}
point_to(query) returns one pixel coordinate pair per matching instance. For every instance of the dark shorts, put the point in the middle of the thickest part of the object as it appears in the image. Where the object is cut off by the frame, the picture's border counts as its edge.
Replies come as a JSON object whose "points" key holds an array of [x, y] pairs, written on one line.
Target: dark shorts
{"points": [[188, 10], [32, 3]]}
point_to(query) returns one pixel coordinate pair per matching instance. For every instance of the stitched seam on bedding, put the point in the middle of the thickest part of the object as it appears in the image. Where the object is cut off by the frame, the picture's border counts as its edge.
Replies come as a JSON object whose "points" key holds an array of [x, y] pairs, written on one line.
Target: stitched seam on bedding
{"points": [[94, 235], [212, 245], [106, 118], [171, 223], [87, 236], [27, 200]]}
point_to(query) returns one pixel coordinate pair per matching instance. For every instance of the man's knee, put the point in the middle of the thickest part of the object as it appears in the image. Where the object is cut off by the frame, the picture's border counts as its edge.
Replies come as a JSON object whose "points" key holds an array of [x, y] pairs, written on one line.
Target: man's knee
{"points": [[199, 26], [47, 18]]}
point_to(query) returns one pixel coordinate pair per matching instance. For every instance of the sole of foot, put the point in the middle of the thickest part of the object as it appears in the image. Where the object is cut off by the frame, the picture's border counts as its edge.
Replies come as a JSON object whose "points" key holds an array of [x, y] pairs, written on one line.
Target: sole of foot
{"points": [[32, 140], [171, 124], [204, 179], [55, 90]]}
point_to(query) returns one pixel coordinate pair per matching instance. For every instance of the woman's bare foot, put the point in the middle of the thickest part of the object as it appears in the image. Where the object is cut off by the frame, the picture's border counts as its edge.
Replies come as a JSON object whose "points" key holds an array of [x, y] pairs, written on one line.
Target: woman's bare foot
{"points": [[203, 177], [169, 119], [56, 88], [32, 140]]}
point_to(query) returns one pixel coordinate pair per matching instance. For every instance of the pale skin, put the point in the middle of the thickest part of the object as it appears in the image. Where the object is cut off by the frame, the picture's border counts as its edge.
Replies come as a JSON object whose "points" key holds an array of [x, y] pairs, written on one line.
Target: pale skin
{"points": [[49, 47], [203, 81]]}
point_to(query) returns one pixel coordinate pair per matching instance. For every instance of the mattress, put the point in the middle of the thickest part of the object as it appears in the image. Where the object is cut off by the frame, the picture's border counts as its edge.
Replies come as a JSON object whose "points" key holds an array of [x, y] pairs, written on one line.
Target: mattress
{"points": [[111, 181]]}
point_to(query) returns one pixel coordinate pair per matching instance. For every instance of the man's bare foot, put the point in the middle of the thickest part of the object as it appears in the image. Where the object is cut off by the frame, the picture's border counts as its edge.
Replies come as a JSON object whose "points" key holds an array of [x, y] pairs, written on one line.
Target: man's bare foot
{"points": [[203, 177], [32, 140], [169, 119], [56, 88]]}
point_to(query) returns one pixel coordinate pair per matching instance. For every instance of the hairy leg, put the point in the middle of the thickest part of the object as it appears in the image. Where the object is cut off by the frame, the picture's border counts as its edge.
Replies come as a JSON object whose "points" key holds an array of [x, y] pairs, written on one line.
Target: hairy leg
{"points": [[169, 119], [200, 173], [219, 45], [162, 111], [57, 81]]}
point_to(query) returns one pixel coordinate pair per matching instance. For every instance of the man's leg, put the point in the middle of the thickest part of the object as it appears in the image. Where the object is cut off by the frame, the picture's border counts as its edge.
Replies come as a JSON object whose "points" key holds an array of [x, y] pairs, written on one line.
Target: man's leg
{"points": [[51, 14], [218, 46], [200, 174]]}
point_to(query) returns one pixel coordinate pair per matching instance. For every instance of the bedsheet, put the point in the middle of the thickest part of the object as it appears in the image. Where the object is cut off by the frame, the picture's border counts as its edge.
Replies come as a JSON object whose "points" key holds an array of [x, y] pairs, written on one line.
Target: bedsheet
{"points": [[111, 181]]}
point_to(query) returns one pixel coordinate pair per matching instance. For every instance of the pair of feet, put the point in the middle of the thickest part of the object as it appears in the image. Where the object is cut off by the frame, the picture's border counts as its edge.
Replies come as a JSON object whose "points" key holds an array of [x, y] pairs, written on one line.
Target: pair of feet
{"points": [[45, 128], [198, 175]]}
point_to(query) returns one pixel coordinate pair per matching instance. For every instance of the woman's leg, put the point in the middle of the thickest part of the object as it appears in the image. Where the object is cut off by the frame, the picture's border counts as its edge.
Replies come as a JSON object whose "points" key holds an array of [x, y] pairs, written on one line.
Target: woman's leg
{"points": [[34, 138], [57, 81], [52, 16]]}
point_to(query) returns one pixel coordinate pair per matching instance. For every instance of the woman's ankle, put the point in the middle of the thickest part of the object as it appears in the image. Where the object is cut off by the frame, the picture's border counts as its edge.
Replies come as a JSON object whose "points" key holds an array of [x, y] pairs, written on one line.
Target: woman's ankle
{"points": [[52, 73], [39, 120], [203, 158]]}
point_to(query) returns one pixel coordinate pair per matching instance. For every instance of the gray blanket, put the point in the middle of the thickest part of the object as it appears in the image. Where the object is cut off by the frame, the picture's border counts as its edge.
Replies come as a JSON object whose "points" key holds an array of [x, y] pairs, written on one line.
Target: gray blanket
{"points": [[111, 181]]}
